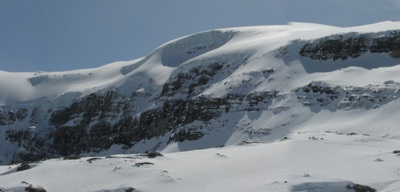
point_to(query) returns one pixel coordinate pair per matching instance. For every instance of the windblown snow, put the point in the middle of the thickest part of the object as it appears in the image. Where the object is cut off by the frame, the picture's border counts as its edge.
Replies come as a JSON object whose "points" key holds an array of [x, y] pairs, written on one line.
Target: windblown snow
{"points": [[247, 42], [330, 124]]}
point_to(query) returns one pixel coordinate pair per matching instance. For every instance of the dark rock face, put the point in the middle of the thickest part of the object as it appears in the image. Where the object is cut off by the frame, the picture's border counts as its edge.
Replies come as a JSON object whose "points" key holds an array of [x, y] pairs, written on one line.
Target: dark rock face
{"points": [[10, 117], [99, 120], [192, 82], [319, 95], [341, 47]]}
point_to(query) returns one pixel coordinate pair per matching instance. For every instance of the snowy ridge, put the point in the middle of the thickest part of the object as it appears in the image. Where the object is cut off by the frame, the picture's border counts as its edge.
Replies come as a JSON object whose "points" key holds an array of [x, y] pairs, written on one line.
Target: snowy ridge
{"points": [[246, 95], [171, 55]]}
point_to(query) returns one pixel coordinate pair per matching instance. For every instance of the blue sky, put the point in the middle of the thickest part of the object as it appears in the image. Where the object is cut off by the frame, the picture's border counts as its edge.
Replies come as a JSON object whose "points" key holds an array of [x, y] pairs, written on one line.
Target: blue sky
{"points": [[58, 35]]}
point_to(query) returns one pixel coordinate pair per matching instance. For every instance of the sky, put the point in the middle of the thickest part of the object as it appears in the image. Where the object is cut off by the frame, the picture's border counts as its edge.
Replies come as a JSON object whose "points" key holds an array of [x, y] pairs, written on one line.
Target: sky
{"points": [[59, 35]]}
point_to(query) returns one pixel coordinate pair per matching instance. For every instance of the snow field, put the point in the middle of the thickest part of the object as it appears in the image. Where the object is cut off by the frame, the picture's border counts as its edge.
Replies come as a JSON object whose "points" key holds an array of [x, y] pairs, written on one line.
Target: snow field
{"points": [[306, 160]]}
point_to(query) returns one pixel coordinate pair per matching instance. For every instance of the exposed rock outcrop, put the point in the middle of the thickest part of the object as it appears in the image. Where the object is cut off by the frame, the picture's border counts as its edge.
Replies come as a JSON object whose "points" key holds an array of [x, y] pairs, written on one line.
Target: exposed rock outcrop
{"points": [[352, 45]]}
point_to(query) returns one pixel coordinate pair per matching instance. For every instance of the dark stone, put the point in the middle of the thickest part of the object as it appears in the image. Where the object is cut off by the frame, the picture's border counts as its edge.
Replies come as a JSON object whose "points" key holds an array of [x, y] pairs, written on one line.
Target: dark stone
{"points": [[143, 163], [93, 159], [30, 188], [154, 154], [130, 189], [23, 166], [360, 188]]}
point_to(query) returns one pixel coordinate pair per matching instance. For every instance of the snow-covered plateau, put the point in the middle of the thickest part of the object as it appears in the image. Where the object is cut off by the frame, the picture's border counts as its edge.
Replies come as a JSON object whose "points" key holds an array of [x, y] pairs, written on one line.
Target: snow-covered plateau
{"points": [[297, 107]]}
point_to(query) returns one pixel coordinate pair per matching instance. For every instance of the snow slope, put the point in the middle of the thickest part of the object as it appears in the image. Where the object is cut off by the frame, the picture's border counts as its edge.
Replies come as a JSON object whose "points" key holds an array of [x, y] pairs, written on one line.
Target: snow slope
{"points": [[171, 57], [265, 117], [307, 161]]}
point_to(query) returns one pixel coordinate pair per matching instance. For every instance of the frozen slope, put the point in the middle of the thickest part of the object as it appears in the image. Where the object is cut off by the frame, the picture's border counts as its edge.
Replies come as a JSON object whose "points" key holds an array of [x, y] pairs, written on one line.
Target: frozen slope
{"points": [[176, 56], [307, 161], [312, 105]]}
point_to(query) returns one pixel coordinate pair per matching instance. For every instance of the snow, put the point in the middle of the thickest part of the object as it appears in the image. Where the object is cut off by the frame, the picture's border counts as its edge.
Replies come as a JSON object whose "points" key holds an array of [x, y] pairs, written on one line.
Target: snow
{"points": [[282, 146], [245, 42], [307, 161]]}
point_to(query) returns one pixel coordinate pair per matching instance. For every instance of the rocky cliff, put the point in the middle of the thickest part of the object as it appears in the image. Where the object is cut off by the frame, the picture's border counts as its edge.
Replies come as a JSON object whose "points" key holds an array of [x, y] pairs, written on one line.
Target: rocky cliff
{"points": [[210, 89]]}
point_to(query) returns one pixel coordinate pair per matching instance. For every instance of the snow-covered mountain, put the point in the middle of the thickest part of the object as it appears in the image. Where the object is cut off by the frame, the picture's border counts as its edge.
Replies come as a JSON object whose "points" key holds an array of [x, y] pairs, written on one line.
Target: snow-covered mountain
{"points": [[219, 88]]}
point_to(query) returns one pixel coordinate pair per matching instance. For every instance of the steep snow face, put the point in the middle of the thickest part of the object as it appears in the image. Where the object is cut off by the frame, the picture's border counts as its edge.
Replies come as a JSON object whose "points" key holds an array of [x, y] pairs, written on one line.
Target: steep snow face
{"points": [[214, 88], [179, 51]]}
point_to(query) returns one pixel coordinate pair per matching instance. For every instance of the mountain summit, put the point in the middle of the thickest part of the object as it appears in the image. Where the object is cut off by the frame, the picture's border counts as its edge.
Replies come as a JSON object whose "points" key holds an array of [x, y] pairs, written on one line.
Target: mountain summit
{"points": [[210, 89]]}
